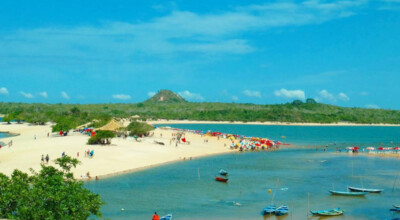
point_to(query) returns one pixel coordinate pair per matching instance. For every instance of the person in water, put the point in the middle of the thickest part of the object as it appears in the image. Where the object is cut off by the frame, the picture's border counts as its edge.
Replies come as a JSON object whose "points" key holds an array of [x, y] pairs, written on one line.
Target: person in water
{"points": [[155, 216]]}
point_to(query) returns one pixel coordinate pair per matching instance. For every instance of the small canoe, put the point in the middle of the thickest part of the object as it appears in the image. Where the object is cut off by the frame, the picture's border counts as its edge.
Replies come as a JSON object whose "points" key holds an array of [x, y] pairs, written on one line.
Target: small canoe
{"points": [[395, 210], [346, 193], [221, 179], [282, 210], [396, 206], [269, 209], [223, 172], [328, 212], [167, 217], [355, 189]]}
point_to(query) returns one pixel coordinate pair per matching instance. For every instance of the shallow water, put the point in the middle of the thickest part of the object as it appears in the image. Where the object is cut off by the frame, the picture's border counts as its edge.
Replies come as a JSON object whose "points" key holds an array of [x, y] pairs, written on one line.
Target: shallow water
{"points": [[178, 189], [4, 135]]}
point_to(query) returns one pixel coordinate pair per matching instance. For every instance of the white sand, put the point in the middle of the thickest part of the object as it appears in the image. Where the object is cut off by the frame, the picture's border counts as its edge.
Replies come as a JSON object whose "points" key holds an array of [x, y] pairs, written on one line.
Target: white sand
{"points": [[119, 157], [163, 121]]}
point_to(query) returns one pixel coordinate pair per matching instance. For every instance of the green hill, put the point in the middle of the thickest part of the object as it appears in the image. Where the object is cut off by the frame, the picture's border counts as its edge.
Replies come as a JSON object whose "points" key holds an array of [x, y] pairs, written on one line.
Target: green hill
{"points": [[166, 96], [167, 105]]}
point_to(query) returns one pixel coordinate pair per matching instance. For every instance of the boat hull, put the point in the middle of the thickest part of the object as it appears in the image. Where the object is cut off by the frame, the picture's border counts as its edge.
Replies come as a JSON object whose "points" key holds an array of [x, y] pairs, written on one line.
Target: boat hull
{"points": [[345, 193], [282, 210], [269, 210], [221, 179], [355, 189], [328, 212]]}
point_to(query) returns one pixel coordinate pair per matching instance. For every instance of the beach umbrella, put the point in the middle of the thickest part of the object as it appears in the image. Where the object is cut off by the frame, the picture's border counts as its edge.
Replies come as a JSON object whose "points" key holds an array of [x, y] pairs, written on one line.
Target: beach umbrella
{"points": [[380, 148]]}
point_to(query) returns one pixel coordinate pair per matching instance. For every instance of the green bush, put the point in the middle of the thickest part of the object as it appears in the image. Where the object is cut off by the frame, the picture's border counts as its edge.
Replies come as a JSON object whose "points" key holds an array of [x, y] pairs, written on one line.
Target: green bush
{"points": [[101, 137], [49, 194]]}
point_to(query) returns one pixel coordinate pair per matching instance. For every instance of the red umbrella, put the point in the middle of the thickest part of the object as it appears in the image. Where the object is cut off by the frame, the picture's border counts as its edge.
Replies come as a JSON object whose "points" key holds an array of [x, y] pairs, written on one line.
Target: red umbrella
{"points": [[380, 148]]}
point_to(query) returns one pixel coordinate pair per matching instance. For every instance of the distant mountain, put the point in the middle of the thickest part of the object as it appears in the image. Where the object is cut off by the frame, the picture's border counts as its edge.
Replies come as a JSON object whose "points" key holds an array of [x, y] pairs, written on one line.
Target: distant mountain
{"points": [[166, 96]]}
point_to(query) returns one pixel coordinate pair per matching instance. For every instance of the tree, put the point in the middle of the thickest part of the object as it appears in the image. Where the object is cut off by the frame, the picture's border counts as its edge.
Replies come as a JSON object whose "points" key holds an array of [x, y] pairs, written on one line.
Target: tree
{"points": [[297, 102], [64, 124], [311, 101], [8, 118], [139, 128], [102, 137], [75, 111], [49, 194]]}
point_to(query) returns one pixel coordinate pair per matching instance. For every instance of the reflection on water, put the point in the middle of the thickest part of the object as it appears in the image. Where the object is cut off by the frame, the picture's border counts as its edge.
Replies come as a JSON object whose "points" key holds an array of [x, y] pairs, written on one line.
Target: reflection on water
{"points": [[177, 188]]}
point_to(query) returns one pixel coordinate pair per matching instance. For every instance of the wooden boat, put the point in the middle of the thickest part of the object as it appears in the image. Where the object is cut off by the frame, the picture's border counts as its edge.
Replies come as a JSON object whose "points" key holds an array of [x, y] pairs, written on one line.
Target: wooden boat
{"points": [[346, 193], [355, 189], [223, 172], [282, 210], [167, 217], [328, 212], [269, 209], [395, 210], [221, 179]]}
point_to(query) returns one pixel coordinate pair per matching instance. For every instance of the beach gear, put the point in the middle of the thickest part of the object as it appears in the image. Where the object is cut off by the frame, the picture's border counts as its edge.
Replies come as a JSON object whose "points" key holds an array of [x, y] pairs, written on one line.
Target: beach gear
{"points": [[346, 193], [221, 179], [328, 212], [268, 209], [282, 210], [355, 189]]}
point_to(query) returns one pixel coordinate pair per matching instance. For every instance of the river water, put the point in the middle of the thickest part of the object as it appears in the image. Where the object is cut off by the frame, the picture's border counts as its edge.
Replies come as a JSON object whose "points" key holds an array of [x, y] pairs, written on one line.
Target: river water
{"points": [[297, 177]]}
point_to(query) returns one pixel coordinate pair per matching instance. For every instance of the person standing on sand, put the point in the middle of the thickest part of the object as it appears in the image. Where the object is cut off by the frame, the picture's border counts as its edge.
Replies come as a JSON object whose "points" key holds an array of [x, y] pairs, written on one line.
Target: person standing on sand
{"points": [[42, 159], [47, 159], [155, 216]]}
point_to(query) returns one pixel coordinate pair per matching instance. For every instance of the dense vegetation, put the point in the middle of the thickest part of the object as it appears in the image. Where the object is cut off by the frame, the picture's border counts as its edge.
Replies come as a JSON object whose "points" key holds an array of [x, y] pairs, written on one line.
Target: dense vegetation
{"points": [[49, 194], [297, 111]]}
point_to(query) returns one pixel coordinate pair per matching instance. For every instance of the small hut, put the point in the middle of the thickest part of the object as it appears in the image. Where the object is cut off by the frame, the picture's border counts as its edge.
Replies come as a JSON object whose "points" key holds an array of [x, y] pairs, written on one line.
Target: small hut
{"points": [[113, 125]]}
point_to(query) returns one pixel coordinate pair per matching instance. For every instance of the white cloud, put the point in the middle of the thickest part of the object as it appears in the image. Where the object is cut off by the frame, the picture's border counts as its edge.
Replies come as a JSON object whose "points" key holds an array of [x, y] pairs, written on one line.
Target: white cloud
{"points": [[151, 94], [251, 93], [298, 94], [191, 96], [174, 32], [234, 98], [325, 95], [26, 95], [343, 97], [64, 95], [43, 94], [121, 96], [373, 106], [3, 91]]}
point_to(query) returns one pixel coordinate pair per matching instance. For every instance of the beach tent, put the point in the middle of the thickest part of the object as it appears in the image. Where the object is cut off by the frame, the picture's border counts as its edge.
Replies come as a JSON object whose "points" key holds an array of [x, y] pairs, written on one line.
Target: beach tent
{"points": [[113, 125]]}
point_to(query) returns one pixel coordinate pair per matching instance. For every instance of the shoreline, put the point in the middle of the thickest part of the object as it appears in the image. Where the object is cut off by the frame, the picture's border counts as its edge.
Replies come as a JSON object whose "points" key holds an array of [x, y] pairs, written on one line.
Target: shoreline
{"points": [[138, 169], [269, 123], [121, 157]]}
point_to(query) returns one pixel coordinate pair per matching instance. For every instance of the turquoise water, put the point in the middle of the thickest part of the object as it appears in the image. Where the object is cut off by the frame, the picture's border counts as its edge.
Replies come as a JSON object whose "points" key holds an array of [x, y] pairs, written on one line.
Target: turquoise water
{"points": [[3, 135], [177, 188], [310, 135]]}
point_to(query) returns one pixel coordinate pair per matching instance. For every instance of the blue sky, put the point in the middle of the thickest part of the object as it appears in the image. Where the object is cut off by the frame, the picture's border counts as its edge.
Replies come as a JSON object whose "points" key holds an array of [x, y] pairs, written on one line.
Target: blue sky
{"points": [[345, 53]]}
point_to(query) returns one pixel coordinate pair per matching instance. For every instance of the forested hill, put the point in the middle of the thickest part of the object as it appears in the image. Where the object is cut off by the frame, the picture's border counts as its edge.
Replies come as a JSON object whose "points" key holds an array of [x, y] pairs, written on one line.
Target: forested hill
{"points": [[290, 112]]}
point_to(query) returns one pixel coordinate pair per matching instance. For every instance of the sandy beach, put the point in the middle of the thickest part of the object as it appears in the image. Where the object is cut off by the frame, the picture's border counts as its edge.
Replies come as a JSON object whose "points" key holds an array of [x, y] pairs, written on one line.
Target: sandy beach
{"points": [[163, 121], [123, 155]]}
